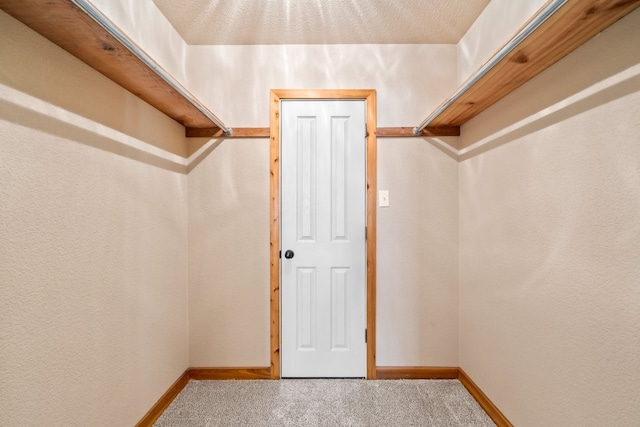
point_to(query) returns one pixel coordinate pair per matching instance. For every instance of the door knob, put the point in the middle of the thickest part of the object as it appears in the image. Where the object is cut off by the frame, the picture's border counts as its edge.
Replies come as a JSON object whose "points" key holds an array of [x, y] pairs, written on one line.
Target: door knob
{"points": [[289, 254]]}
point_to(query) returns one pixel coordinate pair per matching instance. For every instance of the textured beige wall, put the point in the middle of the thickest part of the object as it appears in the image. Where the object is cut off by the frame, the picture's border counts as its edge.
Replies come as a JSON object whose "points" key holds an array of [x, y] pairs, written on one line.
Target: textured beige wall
{"points": [[417, 293], [229, 205], [94, 236], [229, 187], [550, 242], [410, 80], [229, 254], [93, 264]]}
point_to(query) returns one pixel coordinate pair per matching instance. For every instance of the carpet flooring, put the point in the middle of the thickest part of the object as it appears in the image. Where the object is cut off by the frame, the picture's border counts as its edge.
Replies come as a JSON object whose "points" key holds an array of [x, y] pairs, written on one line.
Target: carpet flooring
{"points": [[324, 402]]}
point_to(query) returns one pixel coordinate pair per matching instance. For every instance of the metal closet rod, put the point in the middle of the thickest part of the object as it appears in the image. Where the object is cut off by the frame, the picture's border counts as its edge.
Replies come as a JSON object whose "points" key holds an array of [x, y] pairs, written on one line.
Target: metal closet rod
{"points": [[538, 20], [115, 32]]}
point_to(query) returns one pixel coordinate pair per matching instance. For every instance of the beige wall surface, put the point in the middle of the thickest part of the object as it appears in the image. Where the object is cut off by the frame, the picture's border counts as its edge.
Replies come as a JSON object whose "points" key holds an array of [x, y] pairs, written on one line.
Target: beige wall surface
{"points": [[229, 204], [229, 254], [417, 292], [93, 226], [122, 263], [550, 242], [410, 80]]}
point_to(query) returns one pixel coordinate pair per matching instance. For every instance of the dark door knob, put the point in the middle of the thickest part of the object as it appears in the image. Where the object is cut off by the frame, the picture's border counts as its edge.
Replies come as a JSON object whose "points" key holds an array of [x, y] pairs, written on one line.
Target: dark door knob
{"points": [[289, 254]]}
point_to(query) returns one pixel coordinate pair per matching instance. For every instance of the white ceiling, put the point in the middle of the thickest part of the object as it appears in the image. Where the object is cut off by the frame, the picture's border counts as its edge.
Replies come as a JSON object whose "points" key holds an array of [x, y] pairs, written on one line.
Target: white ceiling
{"points": [[321, 21]]}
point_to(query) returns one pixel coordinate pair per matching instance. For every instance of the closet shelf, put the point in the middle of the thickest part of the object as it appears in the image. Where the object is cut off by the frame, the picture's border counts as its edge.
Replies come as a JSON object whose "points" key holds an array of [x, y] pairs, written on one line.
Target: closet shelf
{"points": [[68, 26], [570, 26], [65, 24]]}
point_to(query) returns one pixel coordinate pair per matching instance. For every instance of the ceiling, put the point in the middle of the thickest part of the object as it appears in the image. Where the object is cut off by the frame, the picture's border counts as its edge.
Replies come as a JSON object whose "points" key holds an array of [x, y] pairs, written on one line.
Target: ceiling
{"points": [[248, 22]]}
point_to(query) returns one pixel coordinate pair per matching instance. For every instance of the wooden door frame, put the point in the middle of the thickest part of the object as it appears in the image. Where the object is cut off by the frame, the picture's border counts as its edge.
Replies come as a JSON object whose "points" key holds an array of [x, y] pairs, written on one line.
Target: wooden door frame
{"points": [[369, 96]]}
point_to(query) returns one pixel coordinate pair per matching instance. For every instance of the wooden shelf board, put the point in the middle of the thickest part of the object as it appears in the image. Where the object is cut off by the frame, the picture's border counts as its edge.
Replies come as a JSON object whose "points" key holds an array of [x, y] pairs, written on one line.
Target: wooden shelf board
{"points": [[388, 132], [69, 27], [404, 132], [571, 26], [215, 132]]}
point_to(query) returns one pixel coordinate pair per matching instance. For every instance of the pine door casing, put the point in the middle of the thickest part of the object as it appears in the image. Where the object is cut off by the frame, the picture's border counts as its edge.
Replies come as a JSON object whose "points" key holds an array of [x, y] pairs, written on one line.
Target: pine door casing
{"points": [[369, 96]]}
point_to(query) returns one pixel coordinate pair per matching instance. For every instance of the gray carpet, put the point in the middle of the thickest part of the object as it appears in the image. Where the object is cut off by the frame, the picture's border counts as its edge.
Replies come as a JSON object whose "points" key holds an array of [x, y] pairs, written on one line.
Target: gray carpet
{"points": [[324, 402]]}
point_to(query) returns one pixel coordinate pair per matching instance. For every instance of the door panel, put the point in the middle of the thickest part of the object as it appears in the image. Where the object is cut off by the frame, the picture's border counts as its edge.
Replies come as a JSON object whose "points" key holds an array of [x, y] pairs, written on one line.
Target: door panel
{"points": [[306, 309], [323, 218], [306, 178], [339, 190], [339, 308]]}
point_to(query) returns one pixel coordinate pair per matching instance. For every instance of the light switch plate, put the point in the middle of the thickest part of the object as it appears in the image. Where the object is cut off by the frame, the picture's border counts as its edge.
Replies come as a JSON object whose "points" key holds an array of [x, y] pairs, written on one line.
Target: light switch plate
{"points": [[383, 198]]}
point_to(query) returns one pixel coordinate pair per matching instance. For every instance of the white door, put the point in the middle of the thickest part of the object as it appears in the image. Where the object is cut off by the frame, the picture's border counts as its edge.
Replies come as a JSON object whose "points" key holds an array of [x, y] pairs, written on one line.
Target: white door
{"points": [[323, 219]]}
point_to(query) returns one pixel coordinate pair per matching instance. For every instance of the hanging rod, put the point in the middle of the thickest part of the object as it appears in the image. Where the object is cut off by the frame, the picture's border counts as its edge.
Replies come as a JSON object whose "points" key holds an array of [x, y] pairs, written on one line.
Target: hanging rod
{"points": [[115, 32], [544, 14]]}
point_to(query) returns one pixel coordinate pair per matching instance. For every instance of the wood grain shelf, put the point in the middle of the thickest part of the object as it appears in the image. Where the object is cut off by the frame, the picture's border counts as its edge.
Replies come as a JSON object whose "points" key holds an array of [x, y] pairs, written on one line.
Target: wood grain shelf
{"points": [[404, 132], [572, 25], [388, 132], [215, 132], [70, 28]]}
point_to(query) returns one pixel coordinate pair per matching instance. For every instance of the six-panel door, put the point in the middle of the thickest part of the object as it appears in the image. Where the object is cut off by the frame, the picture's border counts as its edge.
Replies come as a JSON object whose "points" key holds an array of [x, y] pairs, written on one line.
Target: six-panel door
{"points": [[323, 219]]}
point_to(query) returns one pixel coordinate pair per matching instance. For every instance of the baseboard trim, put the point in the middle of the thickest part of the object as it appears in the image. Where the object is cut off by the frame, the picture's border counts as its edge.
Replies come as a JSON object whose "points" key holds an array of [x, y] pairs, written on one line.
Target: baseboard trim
{"points": [[382, 373], [482, 399], [416, 372], [163, 403], [245, 373]]}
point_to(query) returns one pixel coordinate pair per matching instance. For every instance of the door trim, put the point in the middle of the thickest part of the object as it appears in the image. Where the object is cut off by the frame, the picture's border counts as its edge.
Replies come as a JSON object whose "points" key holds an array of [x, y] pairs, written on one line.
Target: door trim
{"points": [[369, 96]]}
